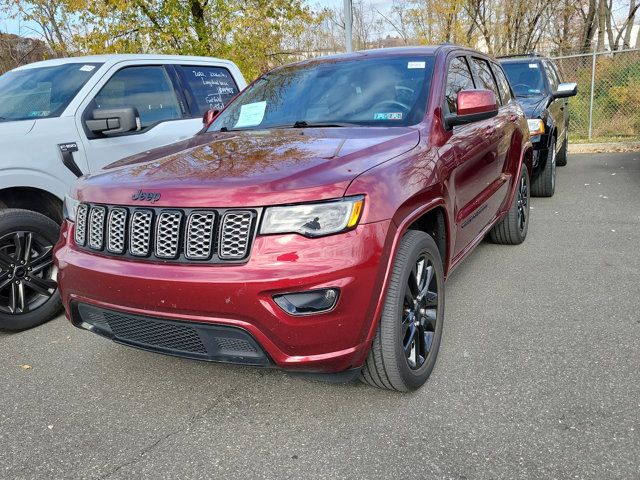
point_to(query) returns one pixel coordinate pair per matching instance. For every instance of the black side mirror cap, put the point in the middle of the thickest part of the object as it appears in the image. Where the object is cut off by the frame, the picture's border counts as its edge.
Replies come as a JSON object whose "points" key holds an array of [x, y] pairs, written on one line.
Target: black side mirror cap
{"points": [[112, 121]]}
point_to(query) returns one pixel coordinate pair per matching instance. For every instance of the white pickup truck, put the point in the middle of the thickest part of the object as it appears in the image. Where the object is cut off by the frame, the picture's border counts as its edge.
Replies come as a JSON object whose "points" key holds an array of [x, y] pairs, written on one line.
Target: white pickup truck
{"points": [[60, 119]]}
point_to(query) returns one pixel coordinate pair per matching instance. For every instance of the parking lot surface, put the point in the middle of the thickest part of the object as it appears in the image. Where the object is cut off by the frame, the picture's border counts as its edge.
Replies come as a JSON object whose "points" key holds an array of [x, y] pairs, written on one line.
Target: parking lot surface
{"points": [[538, 376]]}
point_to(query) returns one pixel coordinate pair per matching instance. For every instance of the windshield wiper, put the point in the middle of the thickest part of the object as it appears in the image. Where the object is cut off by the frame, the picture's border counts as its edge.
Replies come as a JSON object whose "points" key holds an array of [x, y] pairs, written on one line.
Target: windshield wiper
{"points": [[304, 124]]}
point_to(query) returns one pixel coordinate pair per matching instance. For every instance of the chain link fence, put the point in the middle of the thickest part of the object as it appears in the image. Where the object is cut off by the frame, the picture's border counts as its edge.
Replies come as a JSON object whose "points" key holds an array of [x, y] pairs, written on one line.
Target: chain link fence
{"points": [[607, 107]]}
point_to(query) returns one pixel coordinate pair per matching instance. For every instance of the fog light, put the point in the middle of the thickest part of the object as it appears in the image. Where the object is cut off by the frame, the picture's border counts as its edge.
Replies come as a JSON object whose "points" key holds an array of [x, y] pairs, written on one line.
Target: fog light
{"points": [[307, 303]]}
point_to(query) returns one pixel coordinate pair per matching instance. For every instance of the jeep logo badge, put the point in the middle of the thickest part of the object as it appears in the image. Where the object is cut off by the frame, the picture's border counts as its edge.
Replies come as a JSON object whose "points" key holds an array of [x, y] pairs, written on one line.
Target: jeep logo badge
{"points": [[148, 196]]}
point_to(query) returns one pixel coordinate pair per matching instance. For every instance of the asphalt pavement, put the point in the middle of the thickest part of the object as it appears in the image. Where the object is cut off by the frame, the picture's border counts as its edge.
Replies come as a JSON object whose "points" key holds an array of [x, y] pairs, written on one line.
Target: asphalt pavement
{"points": [[538, 377]]}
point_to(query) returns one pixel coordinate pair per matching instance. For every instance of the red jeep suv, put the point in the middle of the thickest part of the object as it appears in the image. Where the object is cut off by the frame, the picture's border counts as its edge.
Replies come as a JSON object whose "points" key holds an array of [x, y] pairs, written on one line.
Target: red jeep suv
{"points": [[312, 225]]}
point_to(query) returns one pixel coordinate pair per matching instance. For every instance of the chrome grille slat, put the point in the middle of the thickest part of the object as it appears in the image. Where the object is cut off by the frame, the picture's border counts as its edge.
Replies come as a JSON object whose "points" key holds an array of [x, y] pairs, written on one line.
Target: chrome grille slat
{"points": [[81, 223], [96, 227], [116, 230], [140, 233], [167, 234], [199, 237], [235, 234]]}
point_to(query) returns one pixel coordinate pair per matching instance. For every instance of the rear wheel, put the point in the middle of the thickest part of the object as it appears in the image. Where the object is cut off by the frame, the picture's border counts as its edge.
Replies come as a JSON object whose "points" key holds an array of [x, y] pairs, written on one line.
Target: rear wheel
{"points": [[512, 229], [561, 159], [406, 344], [545, 184], [28, 289]]}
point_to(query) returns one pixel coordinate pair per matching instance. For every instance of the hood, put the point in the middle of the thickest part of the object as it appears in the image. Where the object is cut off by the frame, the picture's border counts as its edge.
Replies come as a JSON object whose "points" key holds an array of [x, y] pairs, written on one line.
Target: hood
{"points": [[9, 130], [248, 168], [533, 106]]}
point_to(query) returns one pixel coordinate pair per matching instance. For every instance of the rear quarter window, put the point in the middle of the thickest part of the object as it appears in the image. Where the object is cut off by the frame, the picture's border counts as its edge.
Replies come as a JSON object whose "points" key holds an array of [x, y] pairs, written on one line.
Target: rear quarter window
{"points": [[207, 87], [485, 76], [503, 84]]}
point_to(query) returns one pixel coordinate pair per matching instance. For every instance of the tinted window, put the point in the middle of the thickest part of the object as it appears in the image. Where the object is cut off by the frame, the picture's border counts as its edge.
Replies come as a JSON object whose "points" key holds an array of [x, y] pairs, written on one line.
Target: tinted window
{"points": [[525, 78], [207, 87], [458, 78], [148, 89], [503, 84], [368, 91], [551, 74], [42, 92], [485, 77]]}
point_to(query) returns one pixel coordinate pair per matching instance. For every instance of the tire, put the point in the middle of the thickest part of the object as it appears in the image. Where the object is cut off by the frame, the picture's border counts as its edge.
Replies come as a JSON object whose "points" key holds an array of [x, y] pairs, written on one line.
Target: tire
{"points": [[545, 184], [512, 229], [389, 364], [29, 295], [561, 158]]}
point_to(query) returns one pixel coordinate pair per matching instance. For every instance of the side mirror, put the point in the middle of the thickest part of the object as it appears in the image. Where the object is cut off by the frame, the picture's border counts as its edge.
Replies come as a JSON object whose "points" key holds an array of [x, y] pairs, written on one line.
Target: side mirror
{"points": [[566, 90], [209, 116], [473, 106], [111, 121]]}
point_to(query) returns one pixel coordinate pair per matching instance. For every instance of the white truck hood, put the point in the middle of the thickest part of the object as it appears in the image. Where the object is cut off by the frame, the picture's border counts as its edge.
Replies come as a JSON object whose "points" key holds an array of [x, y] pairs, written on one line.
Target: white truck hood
{"points": [[9, 130]]}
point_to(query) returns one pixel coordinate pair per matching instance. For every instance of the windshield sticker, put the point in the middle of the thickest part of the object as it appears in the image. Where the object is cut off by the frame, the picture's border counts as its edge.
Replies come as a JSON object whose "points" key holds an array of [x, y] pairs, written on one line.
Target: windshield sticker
{"points": [[87, 68], [416, 65], [533, 65], [251, 114], [388, 116]]}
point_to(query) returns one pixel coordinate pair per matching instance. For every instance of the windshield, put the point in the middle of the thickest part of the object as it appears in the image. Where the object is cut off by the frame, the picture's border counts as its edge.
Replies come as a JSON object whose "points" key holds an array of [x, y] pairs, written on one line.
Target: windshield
{"points": [[525, 78], [363, 92], [41, 92]]}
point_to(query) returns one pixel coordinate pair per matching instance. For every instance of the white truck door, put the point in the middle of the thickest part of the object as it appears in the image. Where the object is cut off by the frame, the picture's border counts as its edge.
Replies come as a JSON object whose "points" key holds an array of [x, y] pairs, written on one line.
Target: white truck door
{"points": [[166, 107]]}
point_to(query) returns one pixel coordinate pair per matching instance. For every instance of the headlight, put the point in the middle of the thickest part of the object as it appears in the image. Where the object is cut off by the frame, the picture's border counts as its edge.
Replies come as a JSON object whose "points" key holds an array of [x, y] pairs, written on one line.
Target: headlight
{"points": [[313, 220], [70, 208], [536, 126]]}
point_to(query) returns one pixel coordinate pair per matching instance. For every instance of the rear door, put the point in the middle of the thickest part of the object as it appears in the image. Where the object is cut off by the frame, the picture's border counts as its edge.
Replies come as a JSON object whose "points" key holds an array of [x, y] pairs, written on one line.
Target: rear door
{"points": [[168, 109]]}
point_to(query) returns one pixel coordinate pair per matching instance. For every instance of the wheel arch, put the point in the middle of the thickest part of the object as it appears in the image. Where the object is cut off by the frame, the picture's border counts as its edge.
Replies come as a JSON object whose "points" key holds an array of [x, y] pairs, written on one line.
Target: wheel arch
{"points": [[431, 218], [32, 199]]}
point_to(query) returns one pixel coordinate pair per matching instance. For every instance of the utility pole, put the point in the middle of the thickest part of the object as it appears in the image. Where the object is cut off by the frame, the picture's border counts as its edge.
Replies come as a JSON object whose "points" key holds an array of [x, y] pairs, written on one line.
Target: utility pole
{"points": [[348, 25]]}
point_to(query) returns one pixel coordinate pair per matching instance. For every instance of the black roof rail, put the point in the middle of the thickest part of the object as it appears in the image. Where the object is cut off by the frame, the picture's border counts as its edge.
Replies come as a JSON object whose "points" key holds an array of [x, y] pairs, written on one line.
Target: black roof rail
{"points": [[516, 55]]}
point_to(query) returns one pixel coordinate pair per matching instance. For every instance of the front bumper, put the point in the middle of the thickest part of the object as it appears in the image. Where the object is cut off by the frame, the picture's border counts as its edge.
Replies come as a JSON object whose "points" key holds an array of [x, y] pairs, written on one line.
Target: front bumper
{"points": [[239, 297]]}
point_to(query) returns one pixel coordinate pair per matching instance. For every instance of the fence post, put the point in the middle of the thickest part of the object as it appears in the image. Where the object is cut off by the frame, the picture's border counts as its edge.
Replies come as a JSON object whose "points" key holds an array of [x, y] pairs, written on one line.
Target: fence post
{"points": [[593, 86]]}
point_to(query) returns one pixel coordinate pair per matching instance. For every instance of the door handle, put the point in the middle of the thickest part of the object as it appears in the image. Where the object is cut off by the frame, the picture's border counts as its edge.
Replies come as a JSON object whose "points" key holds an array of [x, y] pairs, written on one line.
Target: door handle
{"points": [[490, 130]]}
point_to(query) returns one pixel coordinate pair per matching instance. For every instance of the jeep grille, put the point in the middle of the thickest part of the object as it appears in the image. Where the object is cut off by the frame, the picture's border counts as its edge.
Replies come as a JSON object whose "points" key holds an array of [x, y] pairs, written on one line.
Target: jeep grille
{"points": [[181, 235]]}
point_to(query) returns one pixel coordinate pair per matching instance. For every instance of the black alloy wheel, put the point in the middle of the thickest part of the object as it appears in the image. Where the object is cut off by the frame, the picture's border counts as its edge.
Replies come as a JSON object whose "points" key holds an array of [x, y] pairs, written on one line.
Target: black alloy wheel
{"points": [[29, 293], [405, 348], [523, 204], [27, 273], [420, 312]]}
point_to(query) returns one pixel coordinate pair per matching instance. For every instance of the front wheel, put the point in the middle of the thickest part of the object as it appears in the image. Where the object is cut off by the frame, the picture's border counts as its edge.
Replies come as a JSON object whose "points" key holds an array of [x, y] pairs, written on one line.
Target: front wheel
{"points": [[28, 290], [406, 344], [545, 184]]}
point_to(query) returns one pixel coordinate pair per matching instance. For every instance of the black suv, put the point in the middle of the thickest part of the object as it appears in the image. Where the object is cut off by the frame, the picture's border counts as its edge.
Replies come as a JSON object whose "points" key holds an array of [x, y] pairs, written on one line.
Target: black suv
{"points": [[537, 85]]}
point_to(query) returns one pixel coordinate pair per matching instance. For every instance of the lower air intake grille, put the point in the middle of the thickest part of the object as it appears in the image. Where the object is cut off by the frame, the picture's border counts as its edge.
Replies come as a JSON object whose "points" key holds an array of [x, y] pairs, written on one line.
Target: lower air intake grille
{"points": [[147, 332], [185, 339]]}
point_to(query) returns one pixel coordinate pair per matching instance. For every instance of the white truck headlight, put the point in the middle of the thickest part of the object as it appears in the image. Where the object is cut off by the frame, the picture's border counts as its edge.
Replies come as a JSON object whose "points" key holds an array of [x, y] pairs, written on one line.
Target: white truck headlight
{"points": [[313, 219]]}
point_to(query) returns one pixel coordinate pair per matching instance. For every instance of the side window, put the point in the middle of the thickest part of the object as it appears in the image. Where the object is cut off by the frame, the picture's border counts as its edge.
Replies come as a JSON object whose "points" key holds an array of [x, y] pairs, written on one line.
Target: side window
{"points": [[503, 84], [148, 89], [207, 87], [458, 78], [483, 72], [551, 75]]}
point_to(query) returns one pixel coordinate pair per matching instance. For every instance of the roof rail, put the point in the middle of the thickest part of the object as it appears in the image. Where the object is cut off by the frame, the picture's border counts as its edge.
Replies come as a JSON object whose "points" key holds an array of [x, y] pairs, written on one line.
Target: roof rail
{"points": [[516, 55]]}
